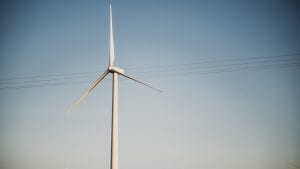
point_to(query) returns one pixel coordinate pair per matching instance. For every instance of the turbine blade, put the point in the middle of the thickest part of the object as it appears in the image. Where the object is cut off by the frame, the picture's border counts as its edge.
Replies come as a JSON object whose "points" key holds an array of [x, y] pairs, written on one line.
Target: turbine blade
{"points": [[140, 82], [81, 98], [111, 39]]}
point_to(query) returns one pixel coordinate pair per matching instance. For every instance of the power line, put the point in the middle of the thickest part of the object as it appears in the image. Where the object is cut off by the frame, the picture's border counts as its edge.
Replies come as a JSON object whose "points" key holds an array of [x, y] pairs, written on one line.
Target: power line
{"points": [[156, 68], [226, 70], [46, 80], [222, 65], [86, 75], [182, 73], [45, 76], [42, 85], [180, 70], [216, 61]]}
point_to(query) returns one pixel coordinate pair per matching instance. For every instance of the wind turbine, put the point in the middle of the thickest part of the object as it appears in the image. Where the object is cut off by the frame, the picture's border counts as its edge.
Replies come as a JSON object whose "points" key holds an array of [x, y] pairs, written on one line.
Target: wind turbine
{"points": [[115, 71]]}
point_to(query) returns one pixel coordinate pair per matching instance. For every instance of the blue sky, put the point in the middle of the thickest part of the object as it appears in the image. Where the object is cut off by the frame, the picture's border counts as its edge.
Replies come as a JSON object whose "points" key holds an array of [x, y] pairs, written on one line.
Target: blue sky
{"points": [[228, 120]]}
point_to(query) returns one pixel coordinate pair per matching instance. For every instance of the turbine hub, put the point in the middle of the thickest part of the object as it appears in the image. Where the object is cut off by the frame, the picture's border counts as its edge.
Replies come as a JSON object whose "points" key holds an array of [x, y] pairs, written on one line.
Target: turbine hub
{"points": [[113, 69]]}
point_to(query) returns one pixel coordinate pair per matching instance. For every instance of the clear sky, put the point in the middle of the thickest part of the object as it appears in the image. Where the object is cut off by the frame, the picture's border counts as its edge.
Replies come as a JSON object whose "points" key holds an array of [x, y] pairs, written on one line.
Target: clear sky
{"points": [[229, 71]]}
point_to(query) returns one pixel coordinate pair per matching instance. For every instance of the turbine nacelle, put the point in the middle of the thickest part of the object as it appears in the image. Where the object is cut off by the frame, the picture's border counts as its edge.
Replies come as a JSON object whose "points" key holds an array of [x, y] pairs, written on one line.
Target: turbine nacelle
{"points": [[113, 69]]}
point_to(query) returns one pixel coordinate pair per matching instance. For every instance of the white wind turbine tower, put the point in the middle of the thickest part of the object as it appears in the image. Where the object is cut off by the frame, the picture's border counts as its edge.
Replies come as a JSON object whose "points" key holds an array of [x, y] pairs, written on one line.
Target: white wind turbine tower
{"points": [[115, 71]]}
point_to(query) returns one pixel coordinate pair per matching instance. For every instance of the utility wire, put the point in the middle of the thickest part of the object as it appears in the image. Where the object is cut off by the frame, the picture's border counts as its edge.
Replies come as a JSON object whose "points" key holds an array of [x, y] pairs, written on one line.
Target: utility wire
{"points": [[180, 73], [144, 69], [224, 70], [162, 73], [47, 80], [164, 70], [204, 67], [156, 68], [220, 65], [216, 61], [45, 76]]}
